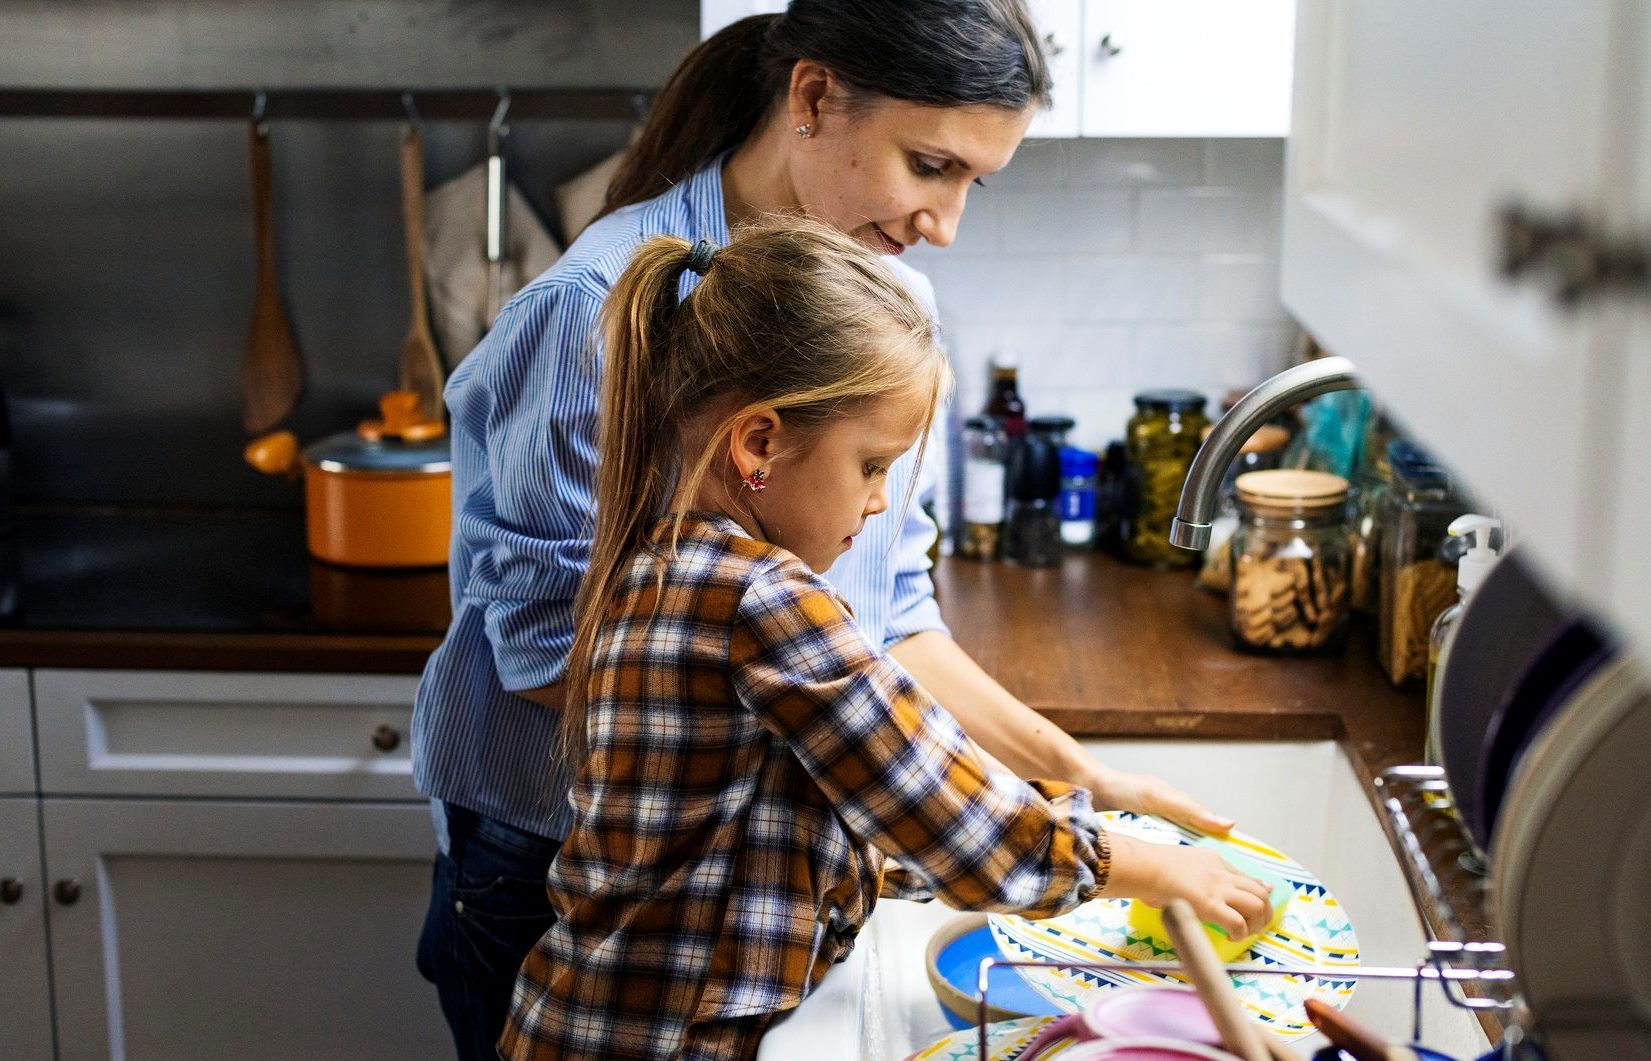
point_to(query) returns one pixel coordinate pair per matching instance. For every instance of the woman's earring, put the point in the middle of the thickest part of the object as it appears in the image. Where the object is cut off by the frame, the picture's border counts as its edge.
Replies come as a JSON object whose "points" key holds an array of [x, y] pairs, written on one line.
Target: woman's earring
{"points": [[805, 130], [757, 481]]}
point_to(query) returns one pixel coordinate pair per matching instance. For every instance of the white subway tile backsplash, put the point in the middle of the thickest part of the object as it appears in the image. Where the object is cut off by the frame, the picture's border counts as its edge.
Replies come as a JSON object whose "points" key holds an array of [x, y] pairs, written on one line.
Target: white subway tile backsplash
{"points": [[1238, 287], [1207, 220], [1128, 288], [1167, 162], [1255, 162], [1108, 267]]}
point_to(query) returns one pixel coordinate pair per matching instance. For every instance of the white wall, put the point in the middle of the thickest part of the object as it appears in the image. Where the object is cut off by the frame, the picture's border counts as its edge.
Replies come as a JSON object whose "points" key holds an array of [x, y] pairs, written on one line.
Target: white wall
{"points": [[1111, 266]]}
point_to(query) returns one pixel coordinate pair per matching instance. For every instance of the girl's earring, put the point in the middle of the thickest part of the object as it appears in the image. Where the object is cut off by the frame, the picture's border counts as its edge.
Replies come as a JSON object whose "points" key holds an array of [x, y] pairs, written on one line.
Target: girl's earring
{"points": [[757, 481], [805, 130]]}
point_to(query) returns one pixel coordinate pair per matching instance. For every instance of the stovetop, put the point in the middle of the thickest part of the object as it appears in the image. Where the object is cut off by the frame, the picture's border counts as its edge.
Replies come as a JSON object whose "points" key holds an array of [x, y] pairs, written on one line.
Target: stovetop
{"points": [[247, 571]]}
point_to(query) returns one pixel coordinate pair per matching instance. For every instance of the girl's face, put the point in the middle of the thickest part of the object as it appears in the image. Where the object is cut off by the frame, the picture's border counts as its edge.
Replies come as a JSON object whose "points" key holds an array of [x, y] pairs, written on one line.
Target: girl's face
{"points": [[822, 489], [890, 172]]}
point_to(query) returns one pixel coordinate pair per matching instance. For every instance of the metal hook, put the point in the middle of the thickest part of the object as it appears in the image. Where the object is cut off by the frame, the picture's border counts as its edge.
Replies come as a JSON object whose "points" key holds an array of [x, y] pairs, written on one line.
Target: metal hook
{"points": [[496, 127], [413, 118], [260, 108]]}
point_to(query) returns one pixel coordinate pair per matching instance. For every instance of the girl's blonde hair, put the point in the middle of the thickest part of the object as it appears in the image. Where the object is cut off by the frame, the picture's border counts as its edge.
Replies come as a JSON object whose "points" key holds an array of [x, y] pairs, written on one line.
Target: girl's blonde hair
{"points": [[791, 315]]}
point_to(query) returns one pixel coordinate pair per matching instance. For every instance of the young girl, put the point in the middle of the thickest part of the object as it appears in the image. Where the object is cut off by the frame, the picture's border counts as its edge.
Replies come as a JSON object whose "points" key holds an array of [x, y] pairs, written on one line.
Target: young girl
{"points": [[750, 765]]}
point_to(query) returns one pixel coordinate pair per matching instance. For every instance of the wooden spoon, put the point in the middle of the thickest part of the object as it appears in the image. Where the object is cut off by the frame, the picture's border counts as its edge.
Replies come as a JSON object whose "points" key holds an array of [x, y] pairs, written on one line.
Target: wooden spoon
{"points": [[1347, 1034], [420, 370], [273, 374], [1238, 1033]]}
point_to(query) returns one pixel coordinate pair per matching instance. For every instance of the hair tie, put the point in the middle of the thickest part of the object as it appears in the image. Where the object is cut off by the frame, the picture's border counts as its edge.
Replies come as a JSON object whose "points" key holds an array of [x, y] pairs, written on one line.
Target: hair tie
{"points": [[699, 259]]}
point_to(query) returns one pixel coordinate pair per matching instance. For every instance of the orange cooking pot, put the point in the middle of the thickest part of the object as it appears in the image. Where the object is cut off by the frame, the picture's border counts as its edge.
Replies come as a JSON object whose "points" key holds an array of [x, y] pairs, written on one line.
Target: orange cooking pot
{"points": [[378, 496]]}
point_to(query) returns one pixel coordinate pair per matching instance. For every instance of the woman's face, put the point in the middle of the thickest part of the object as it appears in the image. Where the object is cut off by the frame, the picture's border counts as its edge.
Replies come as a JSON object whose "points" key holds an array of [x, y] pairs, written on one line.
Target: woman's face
{"points": [[890, 172]]}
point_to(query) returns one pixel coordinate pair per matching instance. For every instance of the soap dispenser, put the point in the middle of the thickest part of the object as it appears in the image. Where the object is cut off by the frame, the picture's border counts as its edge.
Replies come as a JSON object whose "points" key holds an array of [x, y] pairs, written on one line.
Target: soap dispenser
{"points": [[1470, 574]]}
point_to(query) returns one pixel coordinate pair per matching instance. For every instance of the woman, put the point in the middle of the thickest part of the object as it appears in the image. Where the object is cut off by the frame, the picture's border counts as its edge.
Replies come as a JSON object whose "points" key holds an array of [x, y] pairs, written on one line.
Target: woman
{"points": [[873, 118]]}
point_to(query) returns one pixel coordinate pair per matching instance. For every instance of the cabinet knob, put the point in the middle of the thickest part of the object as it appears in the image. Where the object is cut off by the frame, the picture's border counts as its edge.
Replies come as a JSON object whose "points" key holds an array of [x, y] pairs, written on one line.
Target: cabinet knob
{"points": [[386, 738], [1107, 49], [11, 890], [67, 891], [1051, 46]]}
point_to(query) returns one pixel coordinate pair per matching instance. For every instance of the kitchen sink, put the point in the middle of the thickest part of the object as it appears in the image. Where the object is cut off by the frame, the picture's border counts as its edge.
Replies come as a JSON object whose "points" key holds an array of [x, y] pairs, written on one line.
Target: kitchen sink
{"points": [[1302, 797]]}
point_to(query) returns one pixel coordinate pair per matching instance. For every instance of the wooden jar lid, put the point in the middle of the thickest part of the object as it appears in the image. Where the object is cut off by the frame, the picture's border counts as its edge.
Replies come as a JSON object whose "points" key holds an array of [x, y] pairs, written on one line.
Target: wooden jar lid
{"points": [[1293, 490]]}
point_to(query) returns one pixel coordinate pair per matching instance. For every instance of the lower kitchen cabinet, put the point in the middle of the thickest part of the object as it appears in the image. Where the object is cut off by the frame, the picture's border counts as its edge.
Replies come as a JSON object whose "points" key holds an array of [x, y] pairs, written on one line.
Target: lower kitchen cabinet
{"points": [[248, 930], [25, 990]]}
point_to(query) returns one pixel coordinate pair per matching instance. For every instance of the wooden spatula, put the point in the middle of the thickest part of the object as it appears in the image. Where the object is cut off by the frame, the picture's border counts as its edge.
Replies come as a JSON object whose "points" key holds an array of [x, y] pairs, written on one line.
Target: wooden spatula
{"points": [[273, 374], [420, 364], [1238, 1033]]}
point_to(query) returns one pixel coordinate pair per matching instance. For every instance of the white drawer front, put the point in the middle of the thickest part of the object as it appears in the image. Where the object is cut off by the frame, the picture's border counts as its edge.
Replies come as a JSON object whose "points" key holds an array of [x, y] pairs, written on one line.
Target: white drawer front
{"points": [[16, 735], [172, 733]]}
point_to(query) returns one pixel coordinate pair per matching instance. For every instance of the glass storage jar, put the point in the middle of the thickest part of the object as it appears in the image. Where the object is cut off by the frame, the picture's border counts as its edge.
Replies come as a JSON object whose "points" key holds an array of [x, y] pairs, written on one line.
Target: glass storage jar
{"points": [[1290, 560], [1163, 437], [1417, 506], [985, 486], [1260, 452]]}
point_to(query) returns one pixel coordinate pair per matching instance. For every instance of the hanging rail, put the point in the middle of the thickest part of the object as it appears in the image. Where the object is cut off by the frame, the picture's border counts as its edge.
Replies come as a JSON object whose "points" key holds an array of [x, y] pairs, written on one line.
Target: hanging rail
{"points": [[325, 104]]}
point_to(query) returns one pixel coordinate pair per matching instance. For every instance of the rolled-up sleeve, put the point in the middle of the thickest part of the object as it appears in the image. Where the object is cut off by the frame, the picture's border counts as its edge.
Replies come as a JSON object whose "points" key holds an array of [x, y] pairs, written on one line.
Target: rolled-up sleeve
{"points": [[525, 447], [897, 769]]}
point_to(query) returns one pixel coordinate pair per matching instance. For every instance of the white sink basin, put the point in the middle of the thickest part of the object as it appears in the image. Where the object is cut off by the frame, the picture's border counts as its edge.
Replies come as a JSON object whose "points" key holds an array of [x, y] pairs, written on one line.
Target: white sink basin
{"points": [[1301, 797]]}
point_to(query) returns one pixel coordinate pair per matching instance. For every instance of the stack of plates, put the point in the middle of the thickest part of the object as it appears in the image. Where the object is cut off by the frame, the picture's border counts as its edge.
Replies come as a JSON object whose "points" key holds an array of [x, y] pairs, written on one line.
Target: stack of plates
{"points": [[1313, 932]]}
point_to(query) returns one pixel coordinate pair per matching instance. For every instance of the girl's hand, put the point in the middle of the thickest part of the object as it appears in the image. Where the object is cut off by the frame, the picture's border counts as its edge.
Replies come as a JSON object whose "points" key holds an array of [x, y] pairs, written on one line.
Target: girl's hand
{"points": [[1219, 894], [1144, 794]]}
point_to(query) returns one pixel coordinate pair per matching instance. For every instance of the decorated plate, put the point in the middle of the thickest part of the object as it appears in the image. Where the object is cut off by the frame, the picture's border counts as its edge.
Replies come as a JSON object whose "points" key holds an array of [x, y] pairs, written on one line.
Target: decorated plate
{"points": [[1314, 931], [1005, 1041]]}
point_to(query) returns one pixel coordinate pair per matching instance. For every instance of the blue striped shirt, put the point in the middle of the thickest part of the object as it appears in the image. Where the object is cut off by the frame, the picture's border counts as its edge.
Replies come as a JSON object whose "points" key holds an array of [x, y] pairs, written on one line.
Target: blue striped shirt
{"points": [[524, 409]]}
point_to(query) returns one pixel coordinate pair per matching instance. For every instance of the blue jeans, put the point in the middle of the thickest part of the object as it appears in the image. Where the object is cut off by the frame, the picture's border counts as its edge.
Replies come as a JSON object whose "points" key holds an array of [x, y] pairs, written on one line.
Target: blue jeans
{"points": [[488, 907]]}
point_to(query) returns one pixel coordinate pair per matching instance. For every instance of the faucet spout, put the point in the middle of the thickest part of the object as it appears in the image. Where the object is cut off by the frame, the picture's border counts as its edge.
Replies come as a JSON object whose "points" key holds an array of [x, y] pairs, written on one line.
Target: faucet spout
{"points": [[1191, 527]]}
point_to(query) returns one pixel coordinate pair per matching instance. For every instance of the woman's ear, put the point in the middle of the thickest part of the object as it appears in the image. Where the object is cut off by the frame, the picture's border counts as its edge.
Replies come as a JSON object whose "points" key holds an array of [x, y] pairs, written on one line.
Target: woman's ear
{"points": [[811, 83], [754, 440]]}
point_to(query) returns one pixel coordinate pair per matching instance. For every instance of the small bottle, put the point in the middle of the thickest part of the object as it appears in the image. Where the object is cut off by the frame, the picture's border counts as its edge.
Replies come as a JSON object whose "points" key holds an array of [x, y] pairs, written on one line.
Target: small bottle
{"points": [[1003, 402], [1079, 473], [985, 485], [1470, 575]]}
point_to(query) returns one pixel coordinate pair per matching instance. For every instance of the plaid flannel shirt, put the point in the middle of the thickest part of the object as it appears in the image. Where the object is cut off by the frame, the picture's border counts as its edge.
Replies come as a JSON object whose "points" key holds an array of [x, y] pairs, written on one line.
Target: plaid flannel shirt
{"points": [[753, 760]]}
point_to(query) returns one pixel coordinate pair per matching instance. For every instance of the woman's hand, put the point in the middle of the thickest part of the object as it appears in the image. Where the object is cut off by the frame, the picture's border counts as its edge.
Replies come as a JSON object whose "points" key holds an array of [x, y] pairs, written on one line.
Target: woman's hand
{"points": [[1144, 794], [1156, 873]]}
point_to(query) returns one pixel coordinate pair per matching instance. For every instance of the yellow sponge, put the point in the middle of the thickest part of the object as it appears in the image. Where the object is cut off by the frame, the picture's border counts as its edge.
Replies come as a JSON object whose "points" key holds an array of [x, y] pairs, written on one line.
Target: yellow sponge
{"points": [[1148, 921]]}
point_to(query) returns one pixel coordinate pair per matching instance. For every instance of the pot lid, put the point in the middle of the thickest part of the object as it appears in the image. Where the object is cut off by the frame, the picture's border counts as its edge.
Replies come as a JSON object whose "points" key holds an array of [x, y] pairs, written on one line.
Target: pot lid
{"points": [[348, 451]]}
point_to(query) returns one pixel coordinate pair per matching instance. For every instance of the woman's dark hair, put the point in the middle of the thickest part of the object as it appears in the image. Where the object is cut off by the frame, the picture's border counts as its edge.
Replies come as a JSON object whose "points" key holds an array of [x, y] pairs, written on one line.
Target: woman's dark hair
{"points": [[943, 53]]}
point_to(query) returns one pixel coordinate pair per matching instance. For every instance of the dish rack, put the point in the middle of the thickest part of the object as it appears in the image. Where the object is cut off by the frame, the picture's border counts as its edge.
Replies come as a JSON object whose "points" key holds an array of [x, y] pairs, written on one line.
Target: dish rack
{"points": [[1446, 874]]}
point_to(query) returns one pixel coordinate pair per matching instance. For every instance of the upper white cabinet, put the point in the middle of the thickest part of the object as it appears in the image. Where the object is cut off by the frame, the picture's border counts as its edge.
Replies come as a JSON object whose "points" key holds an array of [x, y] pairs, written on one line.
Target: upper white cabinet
{"points": [[1145, 67], [1433, 146], [1187, 67]]}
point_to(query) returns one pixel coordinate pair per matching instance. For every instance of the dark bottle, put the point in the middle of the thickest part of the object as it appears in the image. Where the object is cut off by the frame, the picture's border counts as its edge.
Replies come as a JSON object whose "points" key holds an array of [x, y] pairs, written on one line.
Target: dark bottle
{"points": [[1003, 401], [1032, 525]]}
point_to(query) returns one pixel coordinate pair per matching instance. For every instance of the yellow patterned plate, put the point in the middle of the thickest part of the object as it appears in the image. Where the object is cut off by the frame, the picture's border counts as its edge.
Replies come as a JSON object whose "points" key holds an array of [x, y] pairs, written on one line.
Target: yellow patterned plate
{"points": [[1314, 932], [1005, 1041]]}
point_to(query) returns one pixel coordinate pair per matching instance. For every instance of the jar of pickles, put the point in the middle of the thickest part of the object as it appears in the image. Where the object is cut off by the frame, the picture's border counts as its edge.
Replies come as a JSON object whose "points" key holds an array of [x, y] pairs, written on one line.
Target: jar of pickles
{"points": [[1417, 583], [1163, 437], [1290, 560]]}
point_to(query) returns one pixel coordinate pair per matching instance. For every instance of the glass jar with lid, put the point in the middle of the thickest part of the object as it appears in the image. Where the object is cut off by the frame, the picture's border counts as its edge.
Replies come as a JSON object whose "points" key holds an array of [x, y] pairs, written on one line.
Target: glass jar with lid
{"points": [[1290, 561], [985, 486], [1163, 437], [1417, 506]]}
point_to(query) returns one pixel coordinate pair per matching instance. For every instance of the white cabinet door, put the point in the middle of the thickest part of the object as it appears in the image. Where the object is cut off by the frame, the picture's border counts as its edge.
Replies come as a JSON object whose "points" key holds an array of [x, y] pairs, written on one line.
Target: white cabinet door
{"points": [[1187, 67], [715, 14], [252, 931], [1415, 124], [25, 990], [163, 733], [16, 735], [1060, 27]]}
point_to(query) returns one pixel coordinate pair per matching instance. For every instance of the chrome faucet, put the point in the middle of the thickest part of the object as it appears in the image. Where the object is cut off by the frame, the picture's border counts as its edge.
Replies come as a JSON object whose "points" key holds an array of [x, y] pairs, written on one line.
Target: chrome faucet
{"points": [[1191, 527]]}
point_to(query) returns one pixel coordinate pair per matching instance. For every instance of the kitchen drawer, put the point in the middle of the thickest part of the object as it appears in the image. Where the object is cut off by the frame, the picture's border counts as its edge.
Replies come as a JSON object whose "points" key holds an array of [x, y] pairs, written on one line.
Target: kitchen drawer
{"points": [[16, 735], [170, 733]]}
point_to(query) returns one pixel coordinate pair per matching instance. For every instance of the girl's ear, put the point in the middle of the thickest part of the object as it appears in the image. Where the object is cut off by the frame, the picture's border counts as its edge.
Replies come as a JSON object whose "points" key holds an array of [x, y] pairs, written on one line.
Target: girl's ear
{"points": [[754, 440]]}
